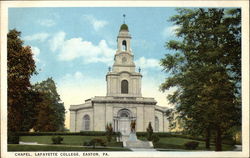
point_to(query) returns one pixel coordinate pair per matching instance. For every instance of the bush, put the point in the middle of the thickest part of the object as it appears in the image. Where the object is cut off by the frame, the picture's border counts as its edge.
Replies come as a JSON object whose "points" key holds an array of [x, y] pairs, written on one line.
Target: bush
{"points": [[155, 138], [149, 132], [86, 143], [94, 142], [109, 132], [118, 136], [82, 133], [57, 140], [13, 138], [168, 146], [192, 145], [168, 134]]}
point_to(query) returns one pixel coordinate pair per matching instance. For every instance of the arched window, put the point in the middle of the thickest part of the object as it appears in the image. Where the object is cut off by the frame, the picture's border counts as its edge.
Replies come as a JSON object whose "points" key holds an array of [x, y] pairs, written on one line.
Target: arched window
{"points": [[124, 113], [156, 124], [124, 45], [86, 123], [124, 87]]}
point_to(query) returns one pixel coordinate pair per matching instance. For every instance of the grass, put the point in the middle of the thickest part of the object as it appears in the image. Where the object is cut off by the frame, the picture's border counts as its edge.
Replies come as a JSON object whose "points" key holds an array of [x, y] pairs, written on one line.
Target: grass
{"points": [[169, 143], [178, 143], [67, 140], [68, 144], [18, 147]]}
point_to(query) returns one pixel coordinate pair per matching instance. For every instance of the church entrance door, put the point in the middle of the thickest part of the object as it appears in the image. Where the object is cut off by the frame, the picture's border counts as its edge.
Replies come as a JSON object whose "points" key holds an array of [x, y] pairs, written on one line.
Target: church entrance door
{"points": [[124, 120], [124, 125]]}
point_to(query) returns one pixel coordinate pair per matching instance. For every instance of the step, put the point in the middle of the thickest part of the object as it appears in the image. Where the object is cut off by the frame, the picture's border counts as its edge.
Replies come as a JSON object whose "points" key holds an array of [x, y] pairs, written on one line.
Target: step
{"points": [[143, 149], [28, 143], [138, 144]]}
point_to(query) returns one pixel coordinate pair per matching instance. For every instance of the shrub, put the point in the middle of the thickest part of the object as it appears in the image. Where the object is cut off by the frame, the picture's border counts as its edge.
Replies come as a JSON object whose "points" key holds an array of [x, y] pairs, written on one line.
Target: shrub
{"points": [[155, 138], [86, 143], [94, 142], [168, 146], [81, 133], [192, 145], [149, 132], [118, 136], [57, 140], [13, 138], [168, 134], [109, 132]]}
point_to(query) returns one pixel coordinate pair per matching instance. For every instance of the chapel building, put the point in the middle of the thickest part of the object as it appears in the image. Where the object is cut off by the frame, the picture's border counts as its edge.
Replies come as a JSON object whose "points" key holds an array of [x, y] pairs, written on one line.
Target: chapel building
{"points": [[123, 102]]}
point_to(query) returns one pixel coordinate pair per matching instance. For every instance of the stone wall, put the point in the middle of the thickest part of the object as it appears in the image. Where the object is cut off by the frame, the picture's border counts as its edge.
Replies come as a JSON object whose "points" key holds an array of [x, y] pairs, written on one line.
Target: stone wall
{"points": [[103, 112], [80, 115]]}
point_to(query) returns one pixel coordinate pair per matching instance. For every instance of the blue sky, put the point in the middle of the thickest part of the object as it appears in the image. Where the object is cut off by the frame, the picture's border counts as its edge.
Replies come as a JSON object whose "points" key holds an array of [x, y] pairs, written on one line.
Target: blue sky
{"points": [[75, 46]]}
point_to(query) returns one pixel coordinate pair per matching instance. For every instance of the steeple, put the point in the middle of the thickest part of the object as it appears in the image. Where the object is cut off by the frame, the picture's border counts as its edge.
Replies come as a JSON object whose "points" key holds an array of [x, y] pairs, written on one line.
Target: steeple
{"points": [[123, 39], [124, 58], [123, 80]]}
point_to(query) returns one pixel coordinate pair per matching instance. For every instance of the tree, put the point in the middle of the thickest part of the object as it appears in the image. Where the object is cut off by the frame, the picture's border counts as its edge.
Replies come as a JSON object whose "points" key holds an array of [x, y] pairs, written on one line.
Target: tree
{"points": [[50, 112], [206, 70], [170, 113], [20, 67]]}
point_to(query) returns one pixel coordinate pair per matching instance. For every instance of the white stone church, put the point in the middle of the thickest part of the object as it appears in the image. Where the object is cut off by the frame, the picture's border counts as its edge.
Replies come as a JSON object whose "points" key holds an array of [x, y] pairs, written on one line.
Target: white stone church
{"points": [[123, 101]]}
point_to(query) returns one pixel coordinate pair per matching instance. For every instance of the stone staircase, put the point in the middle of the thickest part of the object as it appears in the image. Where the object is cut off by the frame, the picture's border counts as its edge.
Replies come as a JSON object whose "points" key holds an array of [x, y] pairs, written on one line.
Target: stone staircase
{"points": [[138, 144], [124, 138], [131, 141]]}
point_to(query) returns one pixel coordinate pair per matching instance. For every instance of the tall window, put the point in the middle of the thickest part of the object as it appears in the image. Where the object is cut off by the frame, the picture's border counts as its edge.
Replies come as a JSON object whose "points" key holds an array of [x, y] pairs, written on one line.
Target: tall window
{"points": [[124, 86], [86, 122], [156, 124], [124, 45]]}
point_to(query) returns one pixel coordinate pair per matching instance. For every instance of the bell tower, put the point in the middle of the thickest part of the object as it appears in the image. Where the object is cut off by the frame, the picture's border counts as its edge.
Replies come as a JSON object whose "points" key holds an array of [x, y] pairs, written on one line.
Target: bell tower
{"points": [[123, 39], [122, 79], [124, 58]]}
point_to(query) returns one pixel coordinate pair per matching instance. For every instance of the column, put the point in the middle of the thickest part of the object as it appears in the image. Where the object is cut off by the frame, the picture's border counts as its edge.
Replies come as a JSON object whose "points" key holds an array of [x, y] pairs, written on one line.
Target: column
{"points": [[72, 121], [114, 125]]}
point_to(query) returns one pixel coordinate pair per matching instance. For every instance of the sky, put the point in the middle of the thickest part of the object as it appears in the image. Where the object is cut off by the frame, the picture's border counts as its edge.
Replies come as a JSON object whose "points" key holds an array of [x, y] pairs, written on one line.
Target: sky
{"points": [[75, 46]]}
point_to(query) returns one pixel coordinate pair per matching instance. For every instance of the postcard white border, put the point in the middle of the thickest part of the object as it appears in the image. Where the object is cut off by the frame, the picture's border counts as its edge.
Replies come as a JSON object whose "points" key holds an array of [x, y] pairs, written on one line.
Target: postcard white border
{"points": [[245, 66]]}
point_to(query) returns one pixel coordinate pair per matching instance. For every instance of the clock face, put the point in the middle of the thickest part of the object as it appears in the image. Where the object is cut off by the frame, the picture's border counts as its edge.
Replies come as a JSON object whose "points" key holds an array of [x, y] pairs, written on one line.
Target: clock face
{"points": [[124, 60]]}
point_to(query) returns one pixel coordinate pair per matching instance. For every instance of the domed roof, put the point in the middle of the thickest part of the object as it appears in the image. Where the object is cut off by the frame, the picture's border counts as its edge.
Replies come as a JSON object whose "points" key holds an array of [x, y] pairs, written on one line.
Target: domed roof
{"points": [[124, 27]]}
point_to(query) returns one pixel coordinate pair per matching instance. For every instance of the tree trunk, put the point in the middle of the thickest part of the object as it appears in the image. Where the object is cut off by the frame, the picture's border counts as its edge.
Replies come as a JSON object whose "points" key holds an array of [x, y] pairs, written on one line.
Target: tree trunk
{"points": [[208, 135], [218, 145]]}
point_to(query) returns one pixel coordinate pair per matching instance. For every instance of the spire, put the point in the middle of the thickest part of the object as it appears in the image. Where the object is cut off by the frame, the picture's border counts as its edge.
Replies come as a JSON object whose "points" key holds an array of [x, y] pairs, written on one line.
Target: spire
{"points": [[124, 26], [124, 15]]}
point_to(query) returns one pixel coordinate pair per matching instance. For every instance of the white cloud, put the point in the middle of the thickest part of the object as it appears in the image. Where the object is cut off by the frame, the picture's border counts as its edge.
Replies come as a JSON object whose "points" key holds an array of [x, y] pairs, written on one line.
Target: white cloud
{"points": [[57, 41], [145, 63], [75, 88], [37, 37], [97, 24], [78, 48], [170, 31], [47, 22], [36, 52]]}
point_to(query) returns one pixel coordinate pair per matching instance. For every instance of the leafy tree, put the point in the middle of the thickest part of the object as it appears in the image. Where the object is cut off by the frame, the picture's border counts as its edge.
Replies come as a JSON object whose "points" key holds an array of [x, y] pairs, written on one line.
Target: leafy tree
{"points": [[33, 99], [170, 113], [50, 112], [20, 67], [206, 70]]}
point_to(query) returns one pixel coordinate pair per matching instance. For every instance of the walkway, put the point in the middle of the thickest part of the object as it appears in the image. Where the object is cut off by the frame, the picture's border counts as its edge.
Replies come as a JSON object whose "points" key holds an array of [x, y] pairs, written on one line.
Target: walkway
{"points": [[143, 149], [238, 148], [65, 145]]}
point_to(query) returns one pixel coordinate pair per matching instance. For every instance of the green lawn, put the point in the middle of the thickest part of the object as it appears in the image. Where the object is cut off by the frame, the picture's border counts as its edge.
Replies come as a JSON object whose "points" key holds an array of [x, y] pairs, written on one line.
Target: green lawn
{"points": [[170, 143], [18, 147], [69, 140], [178, 143]]}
